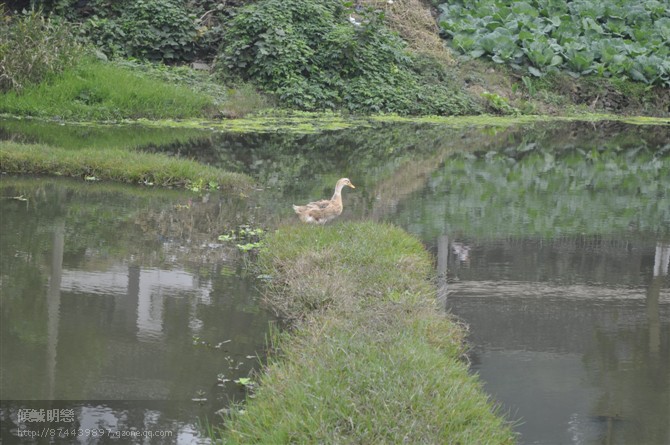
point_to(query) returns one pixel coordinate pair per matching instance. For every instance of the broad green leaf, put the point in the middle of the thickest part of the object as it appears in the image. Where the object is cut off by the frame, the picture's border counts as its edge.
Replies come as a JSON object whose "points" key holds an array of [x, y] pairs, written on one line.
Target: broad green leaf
{"points": [[556, 60], [526, 35], [636, 75], [604, 37]]}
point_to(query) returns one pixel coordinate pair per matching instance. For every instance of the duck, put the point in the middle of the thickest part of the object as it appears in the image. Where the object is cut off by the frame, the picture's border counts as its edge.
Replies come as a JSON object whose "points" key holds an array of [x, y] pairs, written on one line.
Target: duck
{"points": [[320, 212]]}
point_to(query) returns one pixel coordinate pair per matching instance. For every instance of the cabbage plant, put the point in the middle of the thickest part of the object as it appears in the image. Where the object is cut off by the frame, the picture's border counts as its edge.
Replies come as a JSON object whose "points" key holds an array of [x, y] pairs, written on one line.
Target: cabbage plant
{"points": [[610, 38]]}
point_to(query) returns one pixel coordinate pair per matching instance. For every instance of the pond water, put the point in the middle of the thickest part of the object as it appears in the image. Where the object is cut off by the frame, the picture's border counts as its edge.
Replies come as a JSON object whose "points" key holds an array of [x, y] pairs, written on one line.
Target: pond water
{"points": [[551, 241], [119, 303]]}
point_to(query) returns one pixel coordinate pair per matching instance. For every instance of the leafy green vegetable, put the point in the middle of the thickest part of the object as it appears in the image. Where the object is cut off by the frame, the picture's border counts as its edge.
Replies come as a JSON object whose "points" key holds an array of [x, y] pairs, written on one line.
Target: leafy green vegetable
{"points": [[627, 39]]}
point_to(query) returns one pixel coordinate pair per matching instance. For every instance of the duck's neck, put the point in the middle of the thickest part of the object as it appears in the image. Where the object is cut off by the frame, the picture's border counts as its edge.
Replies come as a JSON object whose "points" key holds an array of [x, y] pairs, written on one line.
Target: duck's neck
{"points": [[337, 196]]}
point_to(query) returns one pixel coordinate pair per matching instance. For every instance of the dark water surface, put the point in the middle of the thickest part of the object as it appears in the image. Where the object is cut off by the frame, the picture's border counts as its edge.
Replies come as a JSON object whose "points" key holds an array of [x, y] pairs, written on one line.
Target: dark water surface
{"points": [[552, 243], [120, 304]]}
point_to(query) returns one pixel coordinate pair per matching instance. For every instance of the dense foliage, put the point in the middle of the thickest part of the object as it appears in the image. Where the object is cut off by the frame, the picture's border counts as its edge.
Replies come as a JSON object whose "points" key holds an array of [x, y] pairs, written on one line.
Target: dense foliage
{"points": [[340, 55], [147, 29], [610, 38], [46, 45], [156, 30], [317, 54]]}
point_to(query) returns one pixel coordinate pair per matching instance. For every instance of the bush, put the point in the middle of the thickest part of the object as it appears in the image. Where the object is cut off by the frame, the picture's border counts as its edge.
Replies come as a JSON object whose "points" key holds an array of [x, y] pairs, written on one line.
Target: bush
{"points": [[46, 45], [159, 30], [156, 30], [311, 55]]}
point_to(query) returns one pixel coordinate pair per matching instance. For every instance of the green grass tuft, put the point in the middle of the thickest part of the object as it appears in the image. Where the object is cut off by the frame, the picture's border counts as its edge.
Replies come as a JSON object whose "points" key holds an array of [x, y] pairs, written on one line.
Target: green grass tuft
{"points": [[377, 363], [116, 164], [343, 266]]}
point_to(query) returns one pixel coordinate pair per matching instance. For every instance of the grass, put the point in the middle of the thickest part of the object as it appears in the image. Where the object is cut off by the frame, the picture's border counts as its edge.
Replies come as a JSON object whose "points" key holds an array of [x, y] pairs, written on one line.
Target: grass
{"points": [[232, 101], [116, 164], [371, 358], [334, 268], [93, 90]]}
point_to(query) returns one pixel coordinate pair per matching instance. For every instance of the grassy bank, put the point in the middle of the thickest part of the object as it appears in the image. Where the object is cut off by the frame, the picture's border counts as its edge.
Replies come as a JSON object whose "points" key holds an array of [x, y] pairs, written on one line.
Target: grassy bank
{"points": [[117, 165], [92, 90], [404, 69], [372, 359]]}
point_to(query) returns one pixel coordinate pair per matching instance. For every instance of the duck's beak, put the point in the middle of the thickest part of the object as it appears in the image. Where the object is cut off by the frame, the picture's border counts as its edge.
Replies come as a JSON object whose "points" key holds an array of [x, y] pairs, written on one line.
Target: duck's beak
{"points": [[351, 185]]}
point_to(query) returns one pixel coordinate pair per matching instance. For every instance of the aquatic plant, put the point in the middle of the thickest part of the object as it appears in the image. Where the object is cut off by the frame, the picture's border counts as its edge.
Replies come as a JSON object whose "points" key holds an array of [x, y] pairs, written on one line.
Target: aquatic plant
{"points": [[246, 238]]}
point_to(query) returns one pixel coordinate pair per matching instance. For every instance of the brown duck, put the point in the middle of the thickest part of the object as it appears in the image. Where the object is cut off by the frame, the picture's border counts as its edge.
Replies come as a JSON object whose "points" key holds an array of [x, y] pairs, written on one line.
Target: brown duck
{"points": [[320, 212]]}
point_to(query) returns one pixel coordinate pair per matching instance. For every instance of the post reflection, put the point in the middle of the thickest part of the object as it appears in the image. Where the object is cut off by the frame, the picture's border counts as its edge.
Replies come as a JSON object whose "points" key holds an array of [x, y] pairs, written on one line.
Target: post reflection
{"points": [[579, 360], [122, 307]]}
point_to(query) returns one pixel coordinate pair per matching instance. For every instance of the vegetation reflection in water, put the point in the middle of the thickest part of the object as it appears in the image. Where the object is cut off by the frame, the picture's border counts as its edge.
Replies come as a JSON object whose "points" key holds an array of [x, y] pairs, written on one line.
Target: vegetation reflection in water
{"points": [[576, 214], [123, 295], [554, 248], [551, 241], [548, 188], [541, 180]]}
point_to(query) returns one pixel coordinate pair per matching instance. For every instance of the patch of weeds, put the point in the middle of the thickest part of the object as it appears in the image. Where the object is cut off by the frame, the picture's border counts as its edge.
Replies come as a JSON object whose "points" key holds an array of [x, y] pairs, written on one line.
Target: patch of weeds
{"points": [[231, 101], [499, 104], [243, 100], [46, 48], [104, 91]]}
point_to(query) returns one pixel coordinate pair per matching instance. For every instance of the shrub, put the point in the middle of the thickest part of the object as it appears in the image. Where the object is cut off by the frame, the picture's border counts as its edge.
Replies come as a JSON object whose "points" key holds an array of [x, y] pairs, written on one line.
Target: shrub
{"points": [[46, 45], [159, 30], [311, 55], [156, 30], [171, 31]]}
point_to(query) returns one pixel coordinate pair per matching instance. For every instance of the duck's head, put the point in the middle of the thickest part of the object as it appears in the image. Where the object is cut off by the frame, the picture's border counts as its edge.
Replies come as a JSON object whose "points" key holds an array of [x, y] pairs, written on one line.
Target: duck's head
{"points": [[344, 181]]}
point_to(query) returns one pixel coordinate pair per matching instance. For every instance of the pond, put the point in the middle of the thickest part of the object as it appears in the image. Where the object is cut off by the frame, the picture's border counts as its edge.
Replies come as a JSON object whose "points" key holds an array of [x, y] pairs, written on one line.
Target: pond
{"points": [[552, 244], [120, 303]]}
